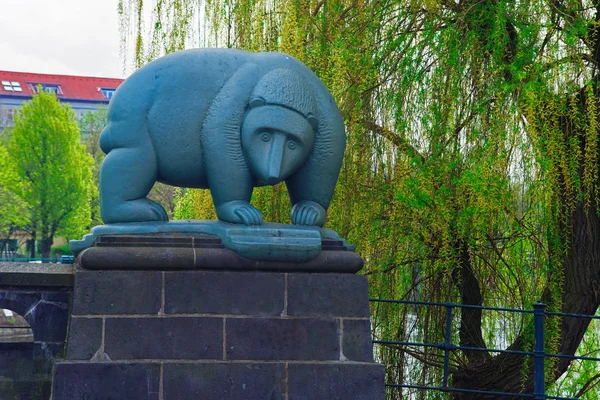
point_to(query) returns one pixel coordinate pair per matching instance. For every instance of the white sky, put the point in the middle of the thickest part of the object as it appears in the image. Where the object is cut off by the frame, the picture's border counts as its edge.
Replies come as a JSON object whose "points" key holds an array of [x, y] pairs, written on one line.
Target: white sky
{"points": [[73, 37]]}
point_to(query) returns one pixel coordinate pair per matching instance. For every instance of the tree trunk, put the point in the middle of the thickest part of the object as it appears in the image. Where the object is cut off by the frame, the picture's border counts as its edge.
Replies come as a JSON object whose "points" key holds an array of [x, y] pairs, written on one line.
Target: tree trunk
{"points": [[581, 289], [580, 294], [46, 246], [32, 250], [46, 239]]}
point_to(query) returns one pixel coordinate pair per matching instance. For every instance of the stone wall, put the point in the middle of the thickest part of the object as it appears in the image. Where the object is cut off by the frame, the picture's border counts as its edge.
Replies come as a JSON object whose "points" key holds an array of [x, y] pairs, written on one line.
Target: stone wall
{"points": [[219, 335], [41, 294]]}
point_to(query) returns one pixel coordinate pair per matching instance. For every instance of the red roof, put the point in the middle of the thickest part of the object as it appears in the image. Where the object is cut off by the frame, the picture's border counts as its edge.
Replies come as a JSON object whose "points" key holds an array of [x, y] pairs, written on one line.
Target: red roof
{"points": [[71, 87]]}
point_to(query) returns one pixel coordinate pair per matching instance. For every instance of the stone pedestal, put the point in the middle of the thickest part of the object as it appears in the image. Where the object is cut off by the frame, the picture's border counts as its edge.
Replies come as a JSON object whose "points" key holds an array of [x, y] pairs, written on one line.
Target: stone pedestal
{"points": [[218, 335]]}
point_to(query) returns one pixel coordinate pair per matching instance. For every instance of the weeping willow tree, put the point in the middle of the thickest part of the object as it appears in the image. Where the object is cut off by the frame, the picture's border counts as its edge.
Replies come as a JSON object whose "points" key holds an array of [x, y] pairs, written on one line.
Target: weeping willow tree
{"points": [[471, 168]]}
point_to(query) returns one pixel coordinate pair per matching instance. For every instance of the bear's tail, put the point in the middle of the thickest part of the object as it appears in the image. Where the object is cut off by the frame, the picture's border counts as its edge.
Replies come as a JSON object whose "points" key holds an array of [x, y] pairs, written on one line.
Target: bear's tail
{"points": [[105, 142]]}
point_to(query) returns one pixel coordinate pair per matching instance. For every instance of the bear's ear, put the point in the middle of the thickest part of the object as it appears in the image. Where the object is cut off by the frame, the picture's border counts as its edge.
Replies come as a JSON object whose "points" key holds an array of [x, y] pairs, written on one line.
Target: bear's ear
{"points": [[312, 120], [256, 102]]}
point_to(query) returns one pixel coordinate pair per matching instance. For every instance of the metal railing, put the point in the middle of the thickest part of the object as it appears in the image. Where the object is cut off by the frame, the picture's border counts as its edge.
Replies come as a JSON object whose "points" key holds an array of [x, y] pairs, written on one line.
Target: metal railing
{"points": [[539, 355], [30, 260]]}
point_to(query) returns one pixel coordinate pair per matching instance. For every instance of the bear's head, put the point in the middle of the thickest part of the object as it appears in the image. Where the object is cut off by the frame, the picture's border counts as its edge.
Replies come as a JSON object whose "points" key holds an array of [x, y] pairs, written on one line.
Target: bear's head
{"points": [[278, 132]]}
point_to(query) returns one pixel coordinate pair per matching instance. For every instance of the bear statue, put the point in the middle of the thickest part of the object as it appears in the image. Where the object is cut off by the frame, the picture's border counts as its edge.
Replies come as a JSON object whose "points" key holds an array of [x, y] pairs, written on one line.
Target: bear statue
{"points": [[226, 120]]}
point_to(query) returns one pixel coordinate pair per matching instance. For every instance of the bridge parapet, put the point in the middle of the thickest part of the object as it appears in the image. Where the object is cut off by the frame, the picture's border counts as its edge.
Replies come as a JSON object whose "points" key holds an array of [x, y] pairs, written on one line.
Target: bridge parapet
{"points": [[23, 275], [41, 293]]}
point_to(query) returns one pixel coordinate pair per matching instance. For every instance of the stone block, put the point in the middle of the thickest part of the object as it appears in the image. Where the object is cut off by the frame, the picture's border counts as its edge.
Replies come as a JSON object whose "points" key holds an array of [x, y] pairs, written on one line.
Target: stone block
{"points": [[16, 360], [57, 297], [220, 381], [37, 388], [336, 381], [193, 338], [44, 355], [35, 275], [328, 295], [282, 339], [136, 258], [357, 344], [19, 302], [239, 293], [85, 338], [49, 321], [106, 381], [117, 292]]}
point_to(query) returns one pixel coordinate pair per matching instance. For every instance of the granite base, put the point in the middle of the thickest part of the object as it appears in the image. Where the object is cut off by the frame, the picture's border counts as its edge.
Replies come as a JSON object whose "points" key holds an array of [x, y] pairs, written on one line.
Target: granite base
{"points": [[216, 335]]}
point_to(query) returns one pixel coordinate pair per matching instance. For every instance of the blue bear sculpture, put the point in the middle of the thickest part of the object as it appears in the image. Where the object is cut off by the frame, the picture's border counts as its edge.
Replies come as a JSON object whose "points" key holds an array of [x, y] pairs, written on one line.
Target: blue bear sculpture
{"points": [[226, 120]]}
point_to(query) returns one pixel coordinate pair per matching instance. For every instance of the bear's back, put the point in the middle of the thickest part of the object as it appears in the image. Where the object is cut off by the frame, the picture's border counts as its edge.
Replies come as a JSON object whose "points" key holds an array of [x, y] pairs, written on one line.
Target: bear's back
{"points": [[172, 95]]}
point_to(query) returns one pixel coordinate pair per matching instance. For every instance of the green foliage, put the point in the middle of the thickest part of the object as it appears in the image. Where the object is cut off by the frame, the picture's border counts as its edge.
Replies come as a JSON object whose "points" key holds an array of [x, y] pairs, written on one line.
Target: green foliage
{"points": [[193, 204], [91, 125], [168, 28], [12, 208], [54, 167], [61, 250]]}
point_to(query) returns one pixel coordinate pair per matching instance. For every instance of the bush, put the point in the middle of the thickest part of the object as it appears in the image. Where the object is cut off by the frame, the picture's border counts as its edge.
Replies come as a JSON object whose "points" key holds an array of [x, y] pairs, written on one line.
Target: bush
{"points": [[61, 250]]}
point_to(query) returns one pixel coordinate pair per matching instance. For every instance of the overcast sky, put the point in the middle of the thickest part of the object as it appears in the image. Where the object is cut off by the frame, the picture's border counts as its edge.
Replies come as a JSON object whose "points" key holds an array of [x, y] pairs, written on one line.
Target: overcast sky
{"points": [[74, 37]]}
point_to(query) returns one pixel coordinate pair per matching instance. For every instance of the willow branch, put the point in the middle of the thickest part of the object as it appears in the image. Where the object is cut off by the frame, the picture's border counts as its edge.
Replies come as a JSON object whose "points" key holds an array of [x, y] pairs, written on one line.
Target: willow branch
{"points": [[421, 357], [317, 8], [400, 142], [593, 381]]}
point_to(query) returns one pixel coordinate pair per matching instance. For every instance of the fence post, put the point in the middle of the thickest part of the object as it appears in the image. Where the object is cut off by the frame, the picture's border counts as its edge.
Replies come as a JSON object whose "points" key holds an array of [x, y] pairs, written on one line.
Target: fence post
{"points": [[447, 343], [539, 390]]}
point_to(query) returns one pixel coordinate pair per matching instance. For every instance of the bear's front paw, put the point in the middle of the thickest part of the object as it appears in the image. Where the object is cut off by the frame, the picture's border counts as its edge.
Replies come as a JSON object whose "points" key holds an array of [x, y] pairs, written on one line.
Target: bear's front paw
{"points": [[308, 212], [239, 212]]}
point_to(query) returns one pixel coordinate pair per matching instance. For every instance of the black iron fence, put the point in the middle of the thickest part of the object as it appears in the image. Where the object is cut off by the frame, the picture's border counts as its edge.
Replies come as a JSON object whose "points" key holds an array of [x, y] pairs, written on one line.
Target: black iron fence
{"points": [[539, 354]]}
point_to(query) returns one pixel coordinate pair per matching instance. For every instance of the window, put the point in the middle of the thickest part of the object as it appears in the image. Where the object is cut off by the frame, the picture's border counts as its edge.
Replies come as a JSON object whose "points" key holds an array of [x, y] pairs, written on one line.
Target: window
{"points": [[8, 248], [107, 93], [50, 88], [6, 119], [9, 115], [12, 86], [81, 113]]}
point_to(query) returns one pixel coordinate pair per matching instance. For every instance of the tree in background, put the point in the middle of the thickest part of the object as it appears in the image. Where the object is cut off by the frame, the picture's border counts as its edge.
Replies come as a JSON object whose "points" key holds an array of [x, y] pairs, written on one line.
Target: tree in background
{"points": [[13, 209], [471, 169], [54, 167], [91, 125]]}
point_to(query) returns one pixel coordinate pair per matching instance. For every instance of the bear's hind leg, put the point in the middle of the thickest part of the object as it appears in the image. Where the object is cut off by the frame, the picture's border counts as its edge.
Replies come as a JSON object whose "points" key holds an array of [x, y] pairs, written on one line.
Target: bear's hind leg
{"points": [[126, 177]]}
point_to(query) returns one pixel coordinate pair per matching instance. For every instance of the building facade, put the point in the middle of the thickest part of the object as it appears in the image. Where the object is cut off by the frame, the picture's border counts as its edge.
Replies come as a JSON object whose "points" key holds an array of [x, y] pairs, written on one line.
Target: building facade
{"points": [[82, 93]]}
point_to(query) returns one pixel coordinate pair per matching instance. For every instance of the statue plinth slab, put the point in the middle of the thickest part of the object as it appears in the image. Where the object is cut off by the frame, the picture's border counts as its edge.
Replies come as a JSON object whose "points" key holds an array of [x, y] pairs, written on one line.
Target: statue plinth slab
{"points": [[215, 245], [215, 335]]}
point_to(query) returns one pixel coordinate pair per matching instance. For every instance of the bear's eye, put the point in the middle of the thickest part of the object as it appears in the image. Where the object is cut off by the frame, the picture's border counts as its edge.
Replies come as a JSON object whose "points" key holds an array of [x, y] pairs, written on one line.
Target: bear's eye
{"points": [[265, 137], [291, 145]]}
